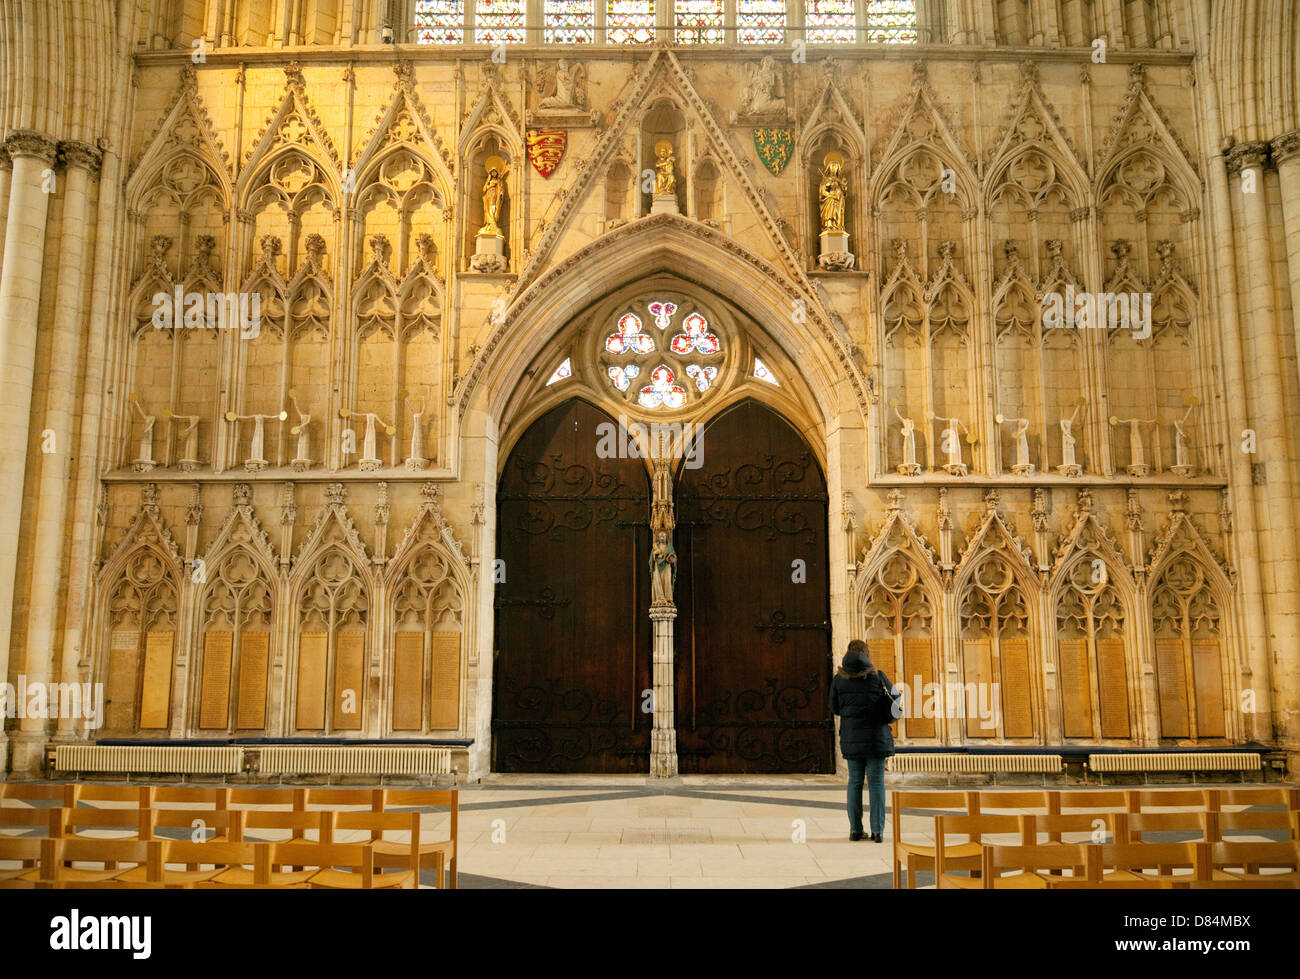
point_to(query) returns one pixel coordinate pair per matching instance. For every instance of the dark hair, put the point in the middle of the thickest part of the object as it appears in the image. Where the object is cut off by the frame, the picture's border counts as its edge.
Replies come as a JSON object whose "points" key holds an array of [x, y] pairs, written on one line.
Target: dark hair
{"points": [[857, 646]]}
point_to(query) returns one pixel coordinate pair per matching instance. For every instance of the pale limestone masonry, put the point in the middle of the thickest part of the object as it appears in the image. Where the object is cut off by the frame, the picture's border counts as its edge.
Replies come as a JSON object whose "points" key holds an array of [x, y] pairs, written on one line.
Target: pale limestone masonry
{"points": [[339, 178]]}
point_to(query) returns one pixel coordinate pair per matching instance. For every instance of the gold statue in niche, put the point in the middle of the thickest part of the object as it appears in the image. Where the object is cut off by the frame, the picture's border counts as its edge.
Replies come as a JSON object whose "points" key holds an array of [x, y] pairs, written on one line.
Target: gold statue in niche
{"points": [[665, 178], [832, 192], [494, 189]]}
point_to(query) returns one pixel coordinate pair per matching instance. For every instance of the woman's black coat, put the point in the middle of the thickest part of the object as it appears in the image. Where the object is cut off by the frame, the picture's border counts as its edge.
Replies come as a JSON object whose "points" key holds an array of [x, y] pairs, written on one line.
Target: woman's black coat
{"points": [[854, 698]]}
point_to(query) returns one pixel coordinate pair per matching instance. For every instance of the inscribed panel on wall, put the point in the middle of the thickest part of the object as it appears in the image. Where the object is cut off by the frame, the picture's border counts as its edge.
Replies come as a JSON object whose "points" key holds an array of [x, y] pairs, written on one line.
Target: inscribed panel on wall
{"points": [[444, 703], [214, 696], [1014, 696], [313, 648], [123, 666], [1076, 688], [1113, 675], [1208, 676], [253, 655], [977, 657], [408, 681], [349, 675], [156, 689], [881, 654], [919, 663], [1171, 683]]}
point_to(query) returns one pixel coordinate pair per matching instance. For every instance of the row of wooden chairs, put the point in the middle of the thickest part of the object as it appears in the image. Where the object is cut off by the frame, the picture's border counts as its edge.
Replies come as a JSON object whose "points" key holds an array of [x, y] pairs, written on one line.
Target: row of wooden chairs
{"points": [[223, 814], [1079, 811], [1119, 861]]}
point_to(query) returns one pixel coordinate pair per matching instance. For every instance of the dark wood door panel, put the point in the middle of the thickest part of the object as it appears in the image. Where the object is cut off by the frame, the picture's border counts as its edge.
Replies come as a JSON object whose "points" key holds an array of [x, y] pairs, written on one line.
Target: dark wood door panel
{"points": [[572, 636]]}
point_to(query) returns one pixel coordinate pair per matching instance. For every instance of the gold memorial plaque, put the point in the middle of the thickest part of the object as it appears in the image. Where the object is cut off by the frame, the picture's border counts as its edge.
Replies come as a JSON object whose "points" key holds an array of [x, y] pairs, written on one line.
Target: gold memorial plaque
{"points": [[349, 675], [1014, 698], [1114, 688], [408, 681], [977, 657], [123, 666], [1208, 674], [156, 691], [253, 654], [881, 654], [214, 700], [1076, 688], [918, 662], [1172, 686], [444, 705], [312, 650]]}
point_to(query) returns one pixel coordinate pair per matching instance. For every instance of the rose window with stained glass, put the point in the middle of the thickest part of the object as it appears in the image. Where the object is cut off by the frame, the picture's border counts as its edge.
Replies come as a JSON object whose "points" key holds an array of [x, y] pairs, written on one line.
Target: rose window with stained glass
{"points": [[661, 353]]}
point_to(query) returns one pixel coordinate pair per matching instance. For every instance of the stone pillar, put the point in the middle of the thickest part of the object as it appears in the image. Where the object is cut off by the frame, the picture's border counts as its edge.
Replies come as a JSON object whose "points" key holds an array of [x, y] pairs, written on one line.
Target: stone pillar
{"points": [[48, 572], [663, 736], [1286, 155], [20, 290]]}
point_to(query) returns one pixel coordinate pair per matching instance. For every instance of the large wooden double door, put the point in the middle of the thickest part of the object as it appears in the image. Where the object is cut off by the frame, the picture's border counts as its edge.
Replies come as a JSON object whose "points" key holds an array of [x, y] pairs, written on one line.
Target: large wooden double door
{"points": [[752, 636]]}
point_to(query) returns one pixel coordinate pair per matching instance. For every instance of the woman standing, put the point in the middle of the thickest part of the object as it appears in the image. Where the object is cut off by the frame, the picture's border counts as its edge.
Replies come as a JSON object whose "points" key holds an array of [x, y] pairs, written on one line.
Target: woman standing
{"points": [[861, 696]]}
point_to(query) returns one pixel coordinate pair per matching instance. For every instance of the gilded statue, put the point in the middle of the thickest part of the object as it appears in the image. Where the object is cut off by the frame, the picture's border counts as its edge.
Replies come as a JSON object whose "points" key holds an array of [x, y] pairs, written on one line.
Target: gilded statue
{"points": [[665, 178], [494, 189], [832, 192]]}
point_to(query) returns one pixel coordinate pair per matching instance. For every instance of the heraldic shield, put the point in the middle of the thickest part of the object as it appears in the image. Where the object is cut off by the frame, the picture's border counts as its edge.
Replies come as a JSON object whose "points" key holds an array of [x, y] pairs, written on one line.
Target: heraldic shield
{"points": [[546, 148], [775, 146]]}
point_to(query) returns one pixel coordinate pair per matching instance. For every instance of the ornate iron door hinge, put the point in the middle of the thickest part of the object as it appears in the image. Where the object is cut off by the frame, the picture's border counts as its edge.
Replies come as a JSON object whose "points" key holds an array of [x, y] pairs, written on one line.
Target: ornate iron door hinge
{"points": [[546, 604], [779, 626]]}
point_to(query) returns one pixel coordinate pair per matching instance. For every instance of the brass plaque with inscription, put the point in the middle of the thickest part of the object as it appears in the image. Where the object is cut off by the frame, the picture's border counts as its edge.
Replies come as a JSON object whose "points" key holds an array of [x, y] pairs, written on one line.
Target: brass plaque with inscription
{"points": [[881, 654], [349, 675], [1171, 682], [408, 681], [1114, 688], [977, 659], [214, 696], [1076, 687], [156, 690], [1014, 694], [918, 662], [312, 650], [1207, 671], [253, 656], [444, 705], [123, 671]]}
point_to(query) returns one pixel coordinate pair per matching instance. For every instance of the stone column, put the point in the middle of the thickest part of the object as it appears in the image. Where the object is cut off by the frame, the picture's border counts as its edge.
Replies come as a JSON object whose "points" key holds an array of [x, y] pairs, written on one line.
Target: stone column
{"points": [[1286, 155], [663, 736], [48, 572], [20, 290]]}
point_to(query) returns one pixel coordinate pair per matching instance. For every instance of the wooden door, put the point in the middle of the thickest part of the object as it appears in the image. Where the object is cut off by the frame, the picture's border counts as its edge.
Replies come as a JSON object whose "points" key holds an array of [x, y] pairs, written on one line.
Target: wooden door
{"points": [[753, 654], [572, 632]]}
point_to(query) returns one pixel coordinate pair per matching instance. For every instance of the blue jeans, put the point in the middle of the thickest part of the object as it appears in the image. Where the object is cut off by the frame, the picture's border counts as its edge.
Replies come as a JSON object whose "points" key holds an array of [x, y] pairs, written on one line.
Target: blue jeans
{"points": [[872, 770]]}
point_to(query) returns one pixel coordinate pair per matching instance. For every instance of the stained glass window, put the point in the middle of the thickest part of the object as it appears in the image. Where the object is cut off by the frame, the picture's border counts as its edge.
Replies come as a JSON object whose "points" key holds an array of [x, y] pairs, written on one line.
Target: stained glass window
{"points": [[623, 376], [661, 392], [628, 338], [760, 21], [891, 21], [564, 370], [699, 21], [763, 374], [630, 21], [439, 21], [702, 376], [697, 337], [829, 22], [663, 313], [499, 21], [570, 21]]}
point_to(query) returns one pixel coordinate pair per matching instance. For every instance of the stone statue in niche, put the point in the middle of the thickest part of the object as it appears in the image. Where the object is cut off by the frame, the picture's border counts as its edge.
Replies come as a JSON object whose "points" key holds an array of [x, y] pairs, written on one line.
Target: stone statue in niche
{"points": [[490, 242], [189, 439], [950, 443], [1137, 452], [1022, 467], [909, 465], [1182, 455], [832, 194], [663, 570], [1069, 466], [665, 195], [369, 459], [302, 458], [417, 459], [144, 460], [256, 460]]}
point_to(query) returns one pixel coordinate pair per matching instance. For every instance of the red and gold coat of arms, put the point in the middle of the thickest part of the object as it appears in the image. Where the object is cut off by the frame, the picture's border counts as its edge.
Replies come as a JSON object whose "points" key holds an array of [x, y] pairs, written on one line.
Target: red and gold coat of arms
{"points": [[546, 148]]}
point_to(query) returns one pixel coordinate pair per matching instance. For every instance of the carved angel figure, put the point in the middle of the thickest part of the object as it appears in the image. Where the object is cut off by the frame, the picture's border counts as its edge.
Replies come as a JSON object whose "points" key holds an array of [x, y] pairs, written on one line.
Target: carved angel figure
{"points": [[763, 90], [563, 87]]}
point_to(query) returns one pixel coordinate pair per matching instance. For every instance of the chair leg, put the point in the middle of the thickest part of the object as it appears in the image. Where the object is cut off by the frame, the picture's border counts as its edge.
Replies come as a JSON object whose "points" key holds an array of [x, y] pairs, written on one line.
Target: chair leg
{"points": [[451, 875], [898, 881], [911, 877]]}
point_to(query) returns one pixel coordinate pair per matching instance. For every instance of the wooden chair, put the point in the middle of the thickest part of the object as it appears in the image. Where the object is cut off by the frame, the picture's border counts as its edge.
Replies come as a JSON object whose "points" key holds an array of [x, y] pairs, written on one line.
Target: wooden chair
{"points": [[1147, 800], [1080, 859], [328, 857], [59, 855], [298, 822], [975, 828], [213, 824], [992, 801], [1069, 801], [137, 822], [192, 796], [126, 796], [1254, 821], [1252, 857], [26, 852], [376, 824], [1098, 827], [62, 794], [1267, 883], [266, 872], [25, 818], [914, 857], [1136, 861], [333, 798], [431, 852], [1270, 796], [241, 798], [200, 862], [1133, 827]]}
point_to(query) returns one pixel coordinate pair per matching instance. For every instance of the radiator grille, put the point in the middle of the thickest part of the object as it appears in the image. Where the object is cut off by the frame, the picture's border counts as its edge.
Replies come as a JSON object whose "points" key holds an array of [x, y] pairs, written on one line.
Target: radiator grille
{"points": [[938, 763], [148, 759], [359, 760], [1178, 761]]}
